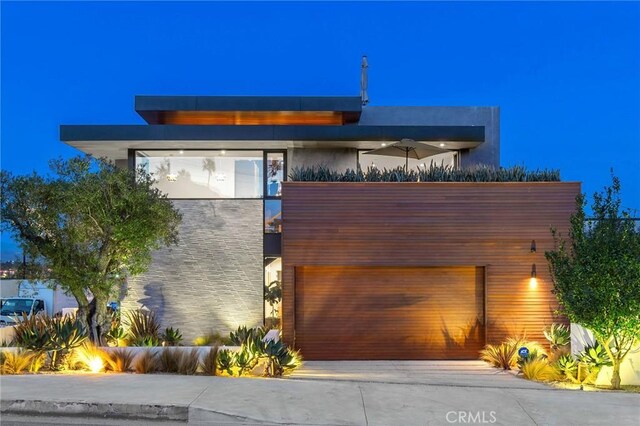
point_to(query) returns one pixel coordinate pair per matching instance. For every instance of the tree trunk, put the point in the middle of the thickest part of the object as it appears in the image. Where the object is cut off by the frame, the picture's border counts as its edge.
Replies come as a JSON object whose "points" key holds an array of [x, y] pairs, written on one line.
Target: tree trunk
{"points": [[99, 320], [615, 376]]}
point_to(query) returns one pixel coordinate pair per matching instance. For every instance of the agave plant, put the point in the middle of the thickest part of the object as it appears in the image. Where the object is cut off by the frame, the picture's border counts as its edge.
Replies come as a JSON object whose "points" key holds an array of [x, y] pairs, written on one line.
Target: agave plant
{"points": [[245, 359], [568, 366], [145, 341], [280, 359], [117, 336], [595, 356], [226, 361], [171, 336], [244, 334], [558, 336]]}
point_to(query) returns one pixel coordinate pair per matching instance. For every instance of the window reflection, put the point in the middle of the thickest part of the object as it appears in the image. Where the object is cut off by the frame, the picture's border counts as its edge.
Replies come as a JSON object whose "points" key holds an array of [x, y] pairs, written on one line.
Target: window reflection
{"points": [[272, 216], [205, 174], [275, 174]]}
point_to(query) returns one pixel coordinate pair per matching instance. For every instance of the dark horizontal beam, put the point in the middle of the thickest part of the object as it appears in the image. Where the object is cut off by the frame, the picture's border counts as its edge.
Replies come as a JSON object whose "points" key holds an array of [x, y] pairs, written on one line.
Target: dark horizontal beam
{"points": [[300, 133]]}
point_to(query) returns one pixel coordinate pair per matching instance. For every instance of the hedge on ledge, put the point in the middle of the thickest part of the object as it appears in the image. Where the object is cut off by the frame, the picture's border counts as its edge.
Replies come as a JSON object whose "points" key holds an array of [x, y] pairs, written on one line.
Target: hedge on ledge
{"points": [[434, 173]]}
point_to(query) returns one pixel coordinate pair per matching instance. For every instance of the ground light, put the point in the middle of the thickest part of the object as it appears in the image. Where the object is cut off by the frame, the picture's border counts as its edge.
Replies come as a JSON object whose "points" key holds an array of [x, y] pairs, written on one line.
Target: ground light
{"points": [[95, 364]]}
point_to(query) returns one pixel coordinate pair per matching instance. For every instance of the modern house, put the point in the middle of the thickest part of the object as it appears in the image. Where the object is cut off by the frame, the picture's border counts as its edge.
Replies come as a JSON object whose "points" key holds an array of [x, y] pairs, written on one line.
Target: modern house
{"points": [[368, 270]]}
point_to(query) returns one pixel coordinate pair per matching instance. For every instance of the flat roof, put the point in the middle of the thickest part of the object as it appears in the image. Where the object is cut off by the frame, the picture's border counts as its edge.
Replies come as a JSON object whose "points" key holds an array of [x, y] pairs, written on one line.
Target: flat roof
{"points": [[153, 108]]}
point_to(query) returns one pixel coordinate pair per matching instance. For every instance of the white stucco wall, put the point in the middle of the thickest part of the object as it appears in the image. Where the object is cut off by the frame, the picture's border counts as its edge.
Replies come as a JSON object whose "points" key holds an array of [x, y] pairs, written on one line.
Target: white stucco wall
{"points": [[629, 370]]}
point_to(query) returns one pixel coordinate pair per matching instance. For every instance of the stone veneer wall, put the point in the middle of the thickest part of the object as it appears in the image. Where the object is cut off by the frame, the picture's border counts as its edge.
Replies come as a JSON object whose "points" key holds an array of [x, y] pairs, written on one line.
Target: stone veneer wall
{"points": [[212, 280]]}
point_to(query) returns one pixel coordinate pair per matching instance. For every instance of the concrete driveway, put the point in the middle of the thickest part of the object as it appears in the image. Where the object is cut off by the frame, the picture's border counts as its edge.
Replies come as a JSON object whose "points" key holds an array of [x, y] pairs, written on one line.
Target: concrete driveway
{"points": [[438, 373], [366, 394]]}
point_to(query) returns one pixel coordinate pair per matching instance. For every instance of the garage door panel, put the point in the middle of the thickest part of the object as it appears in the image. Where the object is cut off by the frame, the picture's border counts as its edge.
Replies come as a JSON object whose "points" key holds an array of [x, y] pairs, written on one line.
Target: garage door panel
{"points": [[389, 313]]}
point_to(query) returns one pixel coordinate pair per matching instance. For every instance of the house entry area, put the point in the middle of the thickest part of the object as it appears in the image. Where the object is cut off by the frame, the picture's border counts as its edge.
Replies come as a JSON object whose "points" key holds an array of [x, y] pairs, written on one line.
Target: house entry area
{"points": [[389, 313]]}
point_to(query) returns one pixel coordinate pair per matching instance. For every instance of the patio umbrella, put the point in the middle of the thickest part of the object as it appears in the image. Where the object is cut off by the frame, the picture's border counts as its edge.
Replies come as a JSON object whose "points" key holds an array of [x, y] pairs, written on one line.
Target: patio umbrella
{"points": [[364, 81], [408, 148]]}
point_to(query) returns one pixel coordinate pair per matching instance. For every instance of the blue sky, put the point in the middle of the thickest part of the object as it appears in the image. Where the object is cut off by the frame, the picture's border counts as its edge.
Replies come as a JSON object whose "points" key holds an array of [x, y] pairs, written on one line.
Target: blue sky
{"points": [[566, 75]]}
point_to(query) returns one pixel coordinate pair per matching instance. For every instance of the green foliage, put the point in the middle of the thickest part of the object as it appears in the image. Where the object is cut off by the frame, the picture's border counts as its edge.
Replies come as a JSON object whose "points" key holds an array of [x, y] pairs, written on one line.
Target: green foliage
{"points": [[212, 339], [244, 334], [117, 336], [273, 295], [56, 336], [434, 173], [210, 362], [568, 366], [539, 370], [596, 274], [171, 336], [226, 361], [91, 224], [144, 328], [146, 363], [558, 335], [595, 356]]}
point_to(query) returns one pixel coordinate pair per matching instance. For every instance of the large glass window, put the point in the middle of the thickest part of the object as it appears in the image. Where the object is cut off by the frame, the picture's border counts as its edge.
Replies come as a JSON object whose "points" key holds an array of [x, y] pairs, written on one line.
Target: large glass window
{"points": [[275, 173], [272, 291], [272, 216], [205, 174]]}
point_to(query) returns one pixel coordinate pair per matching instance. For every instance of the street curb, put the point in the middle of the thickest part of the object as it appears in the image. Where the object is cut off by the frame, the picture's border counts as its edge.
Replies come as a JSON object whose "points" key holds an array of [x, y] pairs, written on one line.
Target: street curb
{"points": [[95, 409]]}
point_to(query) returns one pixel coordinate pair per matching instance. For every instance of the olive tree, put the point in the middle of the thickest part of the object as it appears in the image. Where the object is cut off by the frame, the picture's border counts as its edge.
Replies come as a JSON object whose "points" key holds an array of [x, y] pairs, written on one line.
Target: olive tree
{"points": [[596, 274], [92, 225]]}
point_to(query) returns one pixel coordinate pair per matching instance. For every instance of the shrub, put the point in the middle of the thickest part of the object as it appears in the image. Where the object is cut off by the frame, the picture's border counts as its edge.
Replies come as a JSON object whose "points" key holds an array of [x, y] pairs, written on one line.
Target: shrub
{"points": [[226, 361], [539, 370], [143, 325], [595, 356], [212, 339], [57, 336], [119, 360], [169, 360], [15, 362], [145, 341], [536, 352], [146, 363], [209, 363], [568, 366], [244, 334], [504, 355], [171, 336], [280, 359], [435, 173], [558, 335], [188, 362], [117, 336]]}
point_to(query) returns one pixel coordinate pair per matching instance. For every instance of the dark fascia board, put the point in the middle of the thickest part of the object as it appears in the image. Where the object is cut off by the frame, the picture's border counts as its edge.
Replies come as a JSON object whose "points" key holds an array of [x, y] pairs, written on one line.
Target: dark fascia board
{"points": [[145, 104], [300, 133]]}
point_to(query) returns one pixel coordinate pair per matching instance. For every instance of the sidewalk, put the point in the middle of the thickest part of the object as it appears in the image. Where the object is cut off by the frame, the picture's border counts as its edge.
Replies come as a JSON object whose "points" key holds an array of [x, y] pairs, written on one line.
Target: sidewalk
{"points": [[218, 400]]}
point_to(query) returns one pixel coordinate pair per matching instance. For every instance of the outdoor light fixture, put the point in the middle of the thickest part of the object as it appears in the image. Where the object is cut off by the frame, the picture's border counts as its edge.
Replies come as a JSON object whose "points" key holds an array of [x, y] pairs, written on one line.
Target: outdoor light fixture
{"points": [[533, 246], [223, 152], [181, 151], [533, 282], [441, 144], [383, 144]]}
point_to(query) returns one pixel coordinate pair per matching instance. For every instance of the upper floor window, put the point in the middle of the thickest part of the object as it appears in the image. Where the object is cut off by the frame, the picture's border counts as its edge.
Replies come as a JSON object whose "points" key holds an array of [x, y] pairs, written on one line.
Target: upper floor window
{"points": [[205, 174]]}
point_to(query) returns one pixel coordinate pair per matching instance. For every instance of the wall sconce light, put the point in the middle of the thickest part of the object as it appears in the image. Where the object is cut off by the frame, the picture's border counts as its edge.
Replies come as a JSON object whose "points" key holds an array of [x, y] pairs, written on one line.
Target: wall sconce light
{"points": [[533, 246], [533, 282], [533, 271]]}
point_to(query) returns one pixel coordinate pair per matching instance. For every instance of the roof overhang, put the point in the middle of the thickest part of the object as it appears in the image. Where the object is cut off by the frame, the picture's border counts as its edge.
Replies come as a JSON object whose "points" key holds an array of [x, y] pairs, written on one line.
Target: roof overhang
{"points": [[114, 141], [249, 110]]}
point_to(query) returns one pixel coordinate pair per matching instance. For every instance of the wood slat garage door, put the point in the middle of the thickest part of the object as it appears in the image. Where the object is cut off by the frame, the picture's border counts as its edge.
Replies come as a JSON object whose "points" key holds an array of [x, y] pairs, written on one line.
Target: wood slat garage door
{"points": [[367, 313]]}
